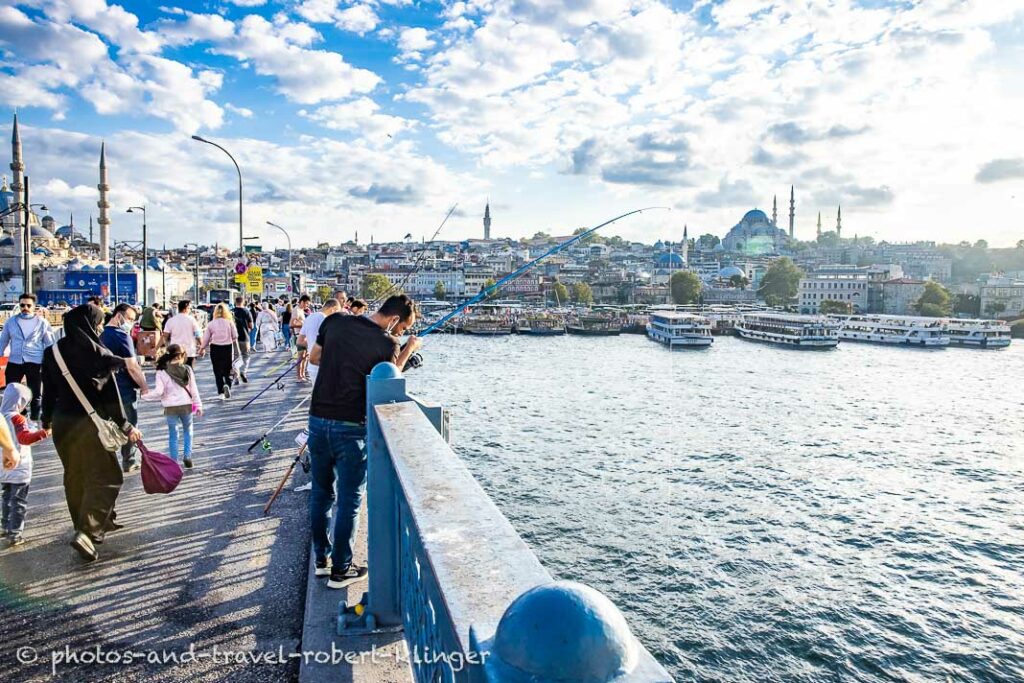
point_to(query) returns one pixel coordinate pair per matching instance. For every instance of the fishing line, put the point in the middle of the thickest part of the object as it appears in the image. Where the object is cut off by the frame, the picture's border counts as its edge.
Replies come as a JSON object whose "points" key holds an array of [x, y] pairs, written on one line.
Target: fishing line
{"points": [[277, 424], [416, 264], [271, 385]]}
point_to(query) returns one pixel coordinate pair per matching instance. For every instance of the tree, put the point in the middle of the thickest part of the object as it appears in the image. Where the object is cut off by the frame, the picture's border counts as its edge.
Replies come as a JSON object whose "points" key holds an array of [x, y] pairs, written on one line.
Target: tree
{"points": [[488, 283], [708, 241], [685, 287], [935, 301], [375, 286], [841, 307], [582, 294], [995, 308], [981, 244], [540, 235], [439, 291], [561, 292], [967, 304], [592, 238], [324, 293], [780, 282], [739, 281], [1020, 244]]}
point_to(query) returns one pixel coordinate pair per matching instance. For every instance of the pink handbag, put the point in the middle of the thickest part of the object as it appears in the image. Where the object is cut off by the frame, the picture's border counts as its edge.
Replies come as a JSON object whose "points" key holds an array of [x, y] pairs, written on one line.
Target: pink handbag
{"points": [[160, 474]]}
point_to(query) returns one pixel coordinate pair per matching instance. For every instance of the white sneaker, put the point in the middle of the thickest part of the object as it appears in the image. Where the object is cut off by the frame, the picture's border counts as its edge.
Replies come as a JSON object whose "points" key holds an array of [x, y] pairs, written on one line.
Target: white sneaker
{"points": [[308, 486]]}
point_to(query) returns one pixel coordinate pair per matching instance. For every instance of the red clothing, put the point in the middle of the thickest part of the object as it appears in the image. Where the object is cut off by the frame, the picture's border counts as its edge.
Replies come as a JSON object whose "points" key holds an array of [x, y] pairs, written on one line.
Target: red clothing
{"points": [[25, 436]]}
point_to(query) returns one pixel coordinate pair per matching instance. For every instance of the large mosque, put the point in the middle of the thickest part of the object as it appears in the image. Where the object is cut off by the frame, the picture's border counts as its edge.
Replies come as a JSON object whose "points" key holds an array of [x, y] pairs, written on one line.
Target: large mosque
{"points": [[758, 235]]}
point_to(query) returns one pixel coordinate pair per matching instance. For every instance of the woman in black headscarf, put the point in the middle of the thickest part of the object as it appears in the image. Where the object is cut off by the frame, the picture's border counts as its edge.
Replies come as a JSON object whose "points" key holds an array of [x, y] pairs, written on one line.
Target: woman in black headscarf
{"points": [[92, 474]]}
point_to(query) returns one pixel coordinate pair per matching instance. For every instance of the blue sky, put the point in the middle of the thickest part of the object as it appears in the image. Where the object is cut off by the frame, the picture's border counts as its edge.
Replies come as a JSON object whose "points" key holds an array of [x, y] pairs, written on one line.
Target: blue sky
{"points": [[377, 115]]}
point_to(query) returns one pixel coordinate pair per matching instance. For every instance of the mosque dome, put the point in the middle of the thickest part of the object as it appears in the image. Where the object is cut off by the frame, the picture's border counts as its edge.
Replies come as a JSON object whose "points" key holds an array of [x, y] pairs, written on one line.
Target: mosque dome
{"points": [[756, 215], [672, 260], [755, 235], [730, 271], [42, 233]]}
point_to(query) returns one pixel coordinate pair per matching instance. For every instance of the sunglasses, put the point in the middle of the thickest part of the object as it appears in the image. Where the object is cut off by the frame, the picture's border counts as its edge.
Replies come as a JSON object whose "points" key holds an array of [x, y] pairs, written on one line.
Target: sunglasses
{"points": [[26, 305]]}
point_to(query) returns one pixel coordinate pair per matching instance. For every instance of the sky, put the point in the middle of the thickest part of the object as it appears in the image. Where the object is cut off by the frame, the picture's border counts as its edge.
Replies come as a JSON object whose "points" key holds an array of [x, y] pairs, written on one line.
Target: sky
{"points": [[377, 116]]}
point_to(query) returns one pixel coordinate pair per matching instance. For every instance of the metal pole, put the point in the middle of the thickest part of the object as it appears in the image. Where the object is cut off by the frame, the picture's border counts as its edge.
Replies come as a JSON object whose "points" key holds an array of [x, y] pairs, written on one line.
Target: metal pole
{"points": [[241, 239], [145, 261], [289, 237], [115, 274], [27, 285]]}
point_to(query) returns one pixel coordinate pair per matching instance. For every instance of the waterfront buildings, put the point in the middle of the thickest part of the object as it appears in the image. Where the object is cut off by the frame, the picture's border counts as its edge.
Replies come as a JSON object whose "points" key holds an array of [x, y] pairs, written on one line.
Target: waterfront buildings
{"points": [[1002, 295]]}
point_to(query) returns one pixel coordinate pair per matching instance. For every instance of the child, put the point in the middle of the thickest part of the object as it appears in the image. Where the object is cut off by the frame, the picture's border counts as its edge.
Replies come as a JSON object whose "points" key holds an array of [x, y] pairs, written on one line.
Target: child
{"points": [[178, 393], [16, 474]]}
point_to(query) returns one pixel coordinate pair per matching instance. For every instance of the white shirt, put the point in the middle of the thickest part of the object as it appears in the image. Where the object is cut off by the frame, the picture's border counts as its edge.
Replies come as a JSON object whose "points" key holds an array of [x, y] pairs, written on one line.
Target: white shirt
{"points": [[183, 330], [311, 327]]}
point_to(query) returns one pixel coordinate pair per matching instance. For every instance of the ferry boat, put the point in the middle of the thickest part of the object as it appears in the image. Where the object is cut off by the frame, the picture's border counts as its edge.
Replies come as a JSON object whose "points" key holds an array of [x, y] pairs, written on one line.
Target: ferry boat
{"points": [[894, 329], [674, 329], [788, 329], [540, 325], [485, 324], [594, 326], [984, 334]]}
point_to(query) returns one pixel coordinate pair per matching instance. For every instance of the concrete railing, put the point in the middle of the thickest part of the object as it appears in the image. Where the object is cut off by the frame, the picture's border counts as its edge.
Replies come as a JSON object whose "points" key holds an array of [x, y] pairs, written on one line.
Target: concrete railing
{"points": [[474, 601]]}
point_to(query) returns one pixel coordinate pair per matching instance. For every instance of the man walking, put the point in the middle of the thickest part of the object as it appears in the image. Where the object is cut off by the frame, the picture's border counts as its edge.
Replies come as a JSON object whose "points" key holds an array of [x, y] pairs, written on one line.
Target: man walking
{"points": [[117, 337], [347, 348], [311, 329], [244, 324], [183, 330], [28, 335]]}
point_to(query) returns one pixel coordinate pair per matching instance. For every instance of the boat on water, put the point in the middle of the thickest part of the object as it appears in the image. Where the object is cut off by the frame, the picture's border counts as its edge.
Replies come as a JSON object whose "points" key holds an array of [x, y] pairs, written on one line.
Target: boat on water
{"points": [[982, 334], [676, 329], [486, 325], [594, 326], [894, 329], [789, 329], [540, 325]]}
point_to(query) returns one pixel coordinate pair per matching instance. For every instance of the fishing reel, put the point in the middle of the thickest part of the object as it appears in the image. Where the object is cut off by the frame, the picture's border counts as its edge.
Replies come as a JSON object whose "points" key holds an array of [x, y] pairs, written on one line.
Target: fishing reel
{"points": [[415, 361]]}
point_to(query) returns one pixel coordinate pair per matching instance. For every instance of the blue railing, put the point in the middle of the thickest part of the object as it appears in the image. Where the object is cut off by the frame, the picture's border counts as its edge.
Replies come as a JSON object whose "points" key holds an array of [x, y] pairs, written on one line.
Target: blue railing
{"points": [[475, 603]]}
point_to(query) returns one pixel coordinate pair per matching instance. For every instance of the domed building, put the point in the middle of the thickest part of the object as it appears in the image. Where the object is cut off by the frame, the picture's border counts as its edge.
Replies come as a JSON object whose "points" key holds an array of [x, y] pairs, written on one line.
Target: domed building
{"points": [[755, 235]]}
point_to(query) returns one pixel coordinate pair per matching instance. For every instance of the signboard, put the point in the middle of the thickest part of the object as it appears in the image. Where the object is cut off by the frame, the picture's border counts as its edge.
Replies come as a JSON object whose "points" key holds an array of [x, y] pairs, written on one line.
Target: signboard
{"points": [[254, 279], [239, 268], [241, 279], [127, 286], [253, 249]]}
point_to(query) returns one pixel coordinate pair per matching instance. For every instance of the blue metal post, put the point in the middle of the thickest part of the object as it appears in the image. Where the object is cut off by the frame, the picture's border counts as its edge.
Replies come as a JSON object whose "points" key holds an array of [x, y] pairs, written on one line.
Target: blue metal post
{"points": [[385, 385]]}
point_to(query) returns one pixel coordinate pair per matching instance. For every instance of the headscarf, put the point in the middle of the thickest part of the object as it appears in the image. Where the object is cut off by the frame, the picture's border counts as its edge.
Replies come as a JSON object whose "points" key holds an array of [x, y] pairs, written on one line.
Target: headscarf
{"points": [[16, 398], [86, 357]]}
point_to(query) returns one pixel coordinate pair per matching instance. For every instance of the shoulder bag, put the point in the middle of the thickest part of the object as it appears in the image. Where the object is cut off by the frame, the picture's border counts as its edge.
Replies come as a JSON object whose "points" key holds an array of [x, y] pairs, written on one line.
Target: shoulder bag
{"points": [[110, 435]]}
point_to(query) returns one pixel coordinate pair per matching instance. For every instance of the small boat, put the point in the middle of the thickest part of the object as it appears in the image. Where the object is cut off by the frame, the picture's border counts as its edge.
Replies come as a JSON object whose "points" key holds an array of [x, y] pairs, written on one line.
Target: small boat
{"points": [[787, 329], [486, 325], [540, 325], [893, 329], [675, 329], [594, 326], [982, 334]]}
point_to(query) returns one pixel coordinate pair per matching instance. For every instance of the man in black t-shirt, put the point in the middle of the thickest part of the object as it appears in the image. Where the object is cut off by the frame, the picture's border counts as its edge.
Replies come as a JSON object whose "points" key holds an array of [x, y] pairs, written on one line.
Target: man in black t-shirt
{"points": [[347, 348], [243, 323]]}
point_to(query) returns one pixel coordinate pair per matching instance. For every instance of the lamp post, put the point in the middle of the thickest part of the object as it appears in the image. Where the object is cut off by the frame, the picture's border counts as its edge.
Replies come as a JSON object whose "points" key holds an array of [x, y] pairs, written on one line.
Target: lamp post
{"points": [[27, 249], [275, 225], [145, 252], [195, 288], [241, 243]]}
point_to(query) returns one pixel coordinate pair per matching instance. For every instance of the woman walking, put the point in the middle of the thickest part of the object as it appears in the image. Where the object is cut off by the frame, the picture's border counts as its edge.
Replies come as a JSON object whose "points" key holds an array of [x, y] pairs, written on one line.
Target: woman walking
{"points": [[286, 325], [298, 320], [78, 377], [220, 337]]}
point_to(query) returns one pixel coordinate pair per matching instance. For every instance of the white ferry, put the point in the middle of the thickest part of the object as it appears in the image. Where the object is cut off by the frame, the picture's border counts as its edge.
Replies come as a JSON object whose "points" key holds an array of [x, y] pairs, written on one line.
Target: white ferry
{"points": [[673, 329], [985, 334], [894, 329], [801, 331]]}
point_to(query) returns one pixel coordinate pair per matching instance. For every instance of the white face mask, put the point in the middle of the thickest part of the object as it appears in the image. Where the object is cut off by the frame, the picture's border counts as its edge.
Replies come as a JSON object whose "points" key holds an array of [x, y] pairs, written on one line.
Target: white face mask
{"points": [[127, 325]]}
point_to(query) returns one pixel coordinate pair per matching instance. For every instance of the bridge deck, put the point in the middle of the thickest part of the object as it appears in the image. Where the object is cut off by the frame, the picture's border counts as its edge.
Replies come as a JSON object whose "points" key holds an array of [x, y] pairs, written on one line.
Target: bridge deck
{"points": [[200, 571]]}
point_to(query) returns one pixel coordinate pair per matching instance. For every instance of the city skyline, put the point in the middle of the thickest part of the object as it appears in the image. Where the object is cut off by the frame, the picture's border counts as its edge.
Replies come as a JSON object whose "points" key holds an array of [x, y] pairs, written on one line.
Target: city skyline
{"points": [[378, 116]]}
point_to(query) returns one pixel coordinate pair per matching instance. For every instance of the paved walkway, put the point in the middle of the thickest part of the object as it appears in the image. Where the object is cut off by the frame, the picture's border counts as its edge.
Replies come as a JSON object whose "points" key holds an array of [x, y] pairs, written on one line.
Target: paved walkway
{"points": [[199, 569]]}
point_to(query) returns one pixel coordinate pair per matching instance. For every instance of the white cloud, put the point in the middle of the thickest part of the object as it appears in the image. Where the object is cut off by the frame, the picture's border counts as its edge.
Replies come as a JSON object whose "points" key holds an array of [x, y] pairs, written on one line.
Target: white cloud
{"points": [[360, 115], [248, 3], [359, 18], [240, 111], [414, 41]]}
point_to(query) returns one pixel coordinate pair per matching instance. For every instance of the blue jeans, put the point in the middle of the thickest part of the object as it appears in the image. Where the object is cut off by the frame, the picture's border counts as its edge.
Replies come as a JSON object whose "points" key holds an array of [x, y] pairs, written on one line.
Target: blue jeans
{"points": [[172, 433], [15, 505], [130, 403], [252, 336], [339, 474], [286, 332]]}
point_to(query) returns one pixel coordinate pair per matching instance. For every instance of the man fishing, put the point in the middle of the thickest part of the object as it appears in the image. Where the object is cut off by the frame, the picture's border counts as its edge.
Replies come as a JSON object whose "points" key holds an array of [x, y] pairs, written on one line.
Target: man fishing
{"points": [[347, 348]]}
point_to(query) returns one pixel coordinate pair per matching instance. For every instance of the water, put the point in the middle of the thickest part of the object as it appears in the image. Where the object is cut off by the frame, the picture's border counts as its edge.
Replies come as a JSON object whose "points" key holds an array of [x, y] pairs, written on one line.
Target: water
{"points": [[763, 513]]}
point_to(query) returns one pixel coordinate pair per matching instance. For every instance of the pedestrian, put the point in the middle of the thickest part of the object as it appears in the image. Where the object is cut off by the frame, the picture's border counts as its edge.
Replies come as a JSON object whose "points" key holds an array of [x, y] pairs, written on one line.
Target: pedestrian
{"points": [[152, 318], [342, 298], [178, 393], [79, 383], [15, 480], [267, 323], [347, 348], [221, 337], [358, 307], [28, 336], [183, 330], [286, 321], [116, 337], [254, 311], [298, 319], [311, 328], [244, 325]]}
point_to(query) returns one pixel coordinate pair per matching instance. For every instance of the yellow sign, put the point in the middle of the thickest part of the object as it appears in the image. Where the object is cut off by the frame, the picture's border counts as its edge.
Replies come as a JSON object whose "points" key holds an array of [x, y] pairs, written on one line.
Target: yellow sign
{"points": [[254, 279], [240, 279]]}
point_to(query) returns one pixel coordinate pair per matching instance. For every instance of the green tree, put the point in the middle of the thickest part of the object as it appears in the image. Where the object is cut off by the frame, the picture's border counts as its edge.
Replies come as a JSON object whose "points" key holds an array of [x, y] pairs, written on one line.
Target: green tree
{"points": [[739, 281], [935, 301], [439, 291], [995, 308], [375, 286], [780, 282], [841, 307], [708, 241], [981, 244], [582, 294], [324, 293], [967, 304], [488, 284], [592, 238], [685, 287], [561, 292], [539, 235]]}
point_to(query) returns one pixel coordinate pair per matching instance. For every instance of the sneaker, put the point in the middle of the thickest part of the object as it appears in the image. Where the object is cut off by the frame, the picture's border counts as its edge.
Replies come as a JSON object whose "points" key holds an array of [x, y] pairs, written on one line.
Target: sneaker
{"points": [[227, 391], [188, 463], [15, 540], [323, 567], [346, 577], [129, 466], [308, 486], [83, 544], [244, 378]]}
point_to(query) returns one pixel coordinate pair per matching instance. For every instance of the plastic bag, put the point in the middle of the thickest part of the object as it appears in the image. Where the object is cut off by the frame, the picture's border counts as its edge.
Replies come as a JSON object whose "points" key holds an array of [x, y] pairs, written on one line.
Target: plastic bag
{"points": [[160, 474]]}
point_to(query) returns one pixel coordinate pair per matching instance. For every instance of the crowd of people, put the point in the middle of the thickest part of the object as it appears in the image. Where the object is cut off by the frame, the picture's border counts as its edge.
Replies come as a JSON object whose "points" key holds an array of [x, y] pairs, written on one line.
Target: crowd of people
{"points": [[91, 380]]}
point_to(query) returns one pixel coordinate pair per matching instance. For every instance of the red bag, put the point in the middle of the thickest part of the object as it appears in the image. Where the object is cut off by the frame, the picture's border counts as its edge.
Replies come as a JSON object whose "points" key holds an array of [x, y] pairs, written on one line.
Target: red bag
{"points": [[160, 474]]}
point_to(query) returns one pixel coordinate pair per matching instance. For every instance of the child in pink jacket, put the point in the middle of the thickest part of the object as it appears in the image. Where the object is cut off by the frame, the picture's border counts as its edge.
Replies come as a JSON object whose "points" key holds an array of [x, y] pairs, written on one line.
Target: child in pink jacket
{"points": [[178, 393]]}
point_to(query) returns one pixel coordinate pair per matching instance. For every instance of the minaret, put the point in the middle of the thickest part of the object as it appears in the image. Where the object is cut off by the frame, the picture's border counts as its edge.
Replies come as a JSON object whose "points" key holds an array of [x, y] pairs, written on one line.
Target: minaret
{"points": [[104, 205], [839, 223], [792, 210], [18, 187], [487, 220], [686, 245], [819, 225], [90, 229], [775, 210], [357, 238]]}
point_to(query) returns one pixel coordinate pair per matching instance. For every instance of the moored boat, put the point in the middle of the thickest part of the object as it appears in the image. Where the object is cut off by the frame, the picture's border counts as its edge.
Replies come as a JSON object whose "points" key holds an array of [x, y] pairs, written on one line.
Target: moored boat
{"points": [[676, 329], [487, 325], [982, 334], [893, 329], [788, 329], [540, 325], [594, 326]]}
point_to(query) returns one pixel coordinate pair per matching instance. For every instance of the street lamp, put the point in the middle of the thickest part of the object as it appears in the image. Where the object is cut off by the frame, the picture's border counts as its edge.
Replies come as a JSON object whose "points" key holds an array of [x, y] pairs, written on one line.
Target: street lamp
{"points": [[275, 225], [241, 244], [195, 287], [145, 253]]}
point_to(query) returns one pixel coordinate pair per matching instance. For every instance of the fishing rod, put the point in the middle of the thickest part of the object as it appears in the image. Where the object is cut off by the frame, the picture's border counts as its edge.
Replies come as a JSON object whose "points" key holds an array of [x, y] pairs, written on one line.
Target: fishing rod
{"points": [[271, 385], [263, 437], [416, 264], [487, 291]]}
